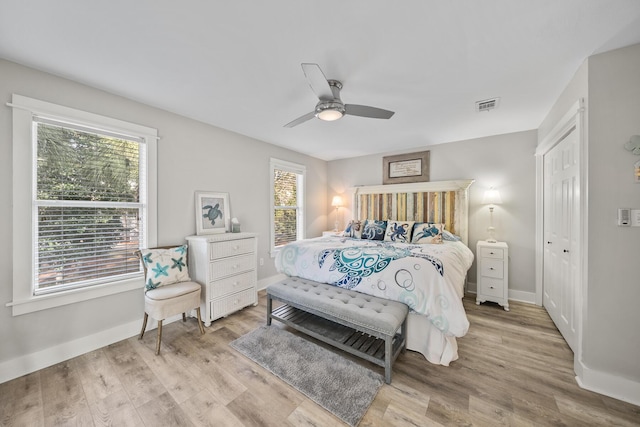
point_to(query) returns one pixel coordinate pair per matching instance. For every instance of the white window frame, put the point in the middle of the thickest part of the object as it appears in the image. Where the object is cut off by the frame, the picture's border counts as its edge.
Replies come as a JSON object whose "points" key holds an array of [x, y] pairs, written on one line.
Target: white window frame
{"points": [[24, 182], [301, 171]]}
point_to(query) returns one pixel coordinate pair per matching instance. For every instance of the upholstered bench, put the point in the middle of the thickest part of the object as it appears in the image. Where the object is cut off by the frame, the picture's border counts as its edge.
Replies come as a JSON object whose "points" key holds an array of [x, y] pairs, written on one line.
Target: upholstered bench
{"points": [[360, 324]]}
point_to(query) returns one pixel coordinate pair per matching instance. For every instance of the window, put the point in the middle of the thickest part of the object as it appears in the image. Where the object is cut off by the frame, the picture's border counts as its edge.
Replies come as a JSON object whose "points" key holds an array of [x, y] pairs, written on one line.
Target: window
{"points": [[84, 201], [287, 203]]}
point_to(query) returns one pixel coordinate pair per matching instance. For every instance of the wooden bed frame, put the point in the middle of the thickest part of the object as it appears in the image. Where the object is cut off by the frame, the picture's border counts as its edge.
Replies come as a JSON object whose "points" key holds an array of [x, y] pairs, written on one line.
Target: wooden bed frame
{"points": [[445, 202]]}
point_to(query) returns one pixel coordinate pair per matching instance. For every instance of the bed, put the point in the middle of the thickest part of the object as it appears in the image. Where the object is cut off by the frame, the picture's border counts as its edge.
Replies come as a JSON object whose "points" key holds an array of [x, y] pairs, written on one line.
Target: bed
{"points": [[430, 278]]}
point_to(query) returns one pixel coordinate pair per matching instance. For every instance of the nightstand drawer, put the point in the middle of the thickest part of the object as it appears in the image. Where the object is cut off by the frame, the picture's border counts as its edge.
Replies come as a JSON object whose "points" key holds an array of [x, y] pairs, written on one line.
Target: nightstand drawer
{"points": [[232, 284], [492, 253], [492, 287], [492, 268]]}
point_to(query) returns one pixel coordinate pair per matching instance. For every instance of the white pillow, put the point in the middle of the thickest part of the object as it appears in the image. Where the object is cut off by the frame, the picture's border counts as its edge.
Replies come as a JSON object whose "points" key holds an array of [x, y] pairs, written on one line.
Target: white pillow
{"points": [[165, 266]]}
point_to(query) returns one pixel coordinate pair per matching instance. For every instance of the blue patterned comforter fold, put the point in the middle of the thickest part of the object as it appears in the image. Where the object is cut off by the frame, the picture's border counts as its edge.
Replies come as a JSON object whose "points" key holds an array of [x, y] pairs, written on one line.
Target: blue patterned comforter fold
{"points": [[428, 278]]}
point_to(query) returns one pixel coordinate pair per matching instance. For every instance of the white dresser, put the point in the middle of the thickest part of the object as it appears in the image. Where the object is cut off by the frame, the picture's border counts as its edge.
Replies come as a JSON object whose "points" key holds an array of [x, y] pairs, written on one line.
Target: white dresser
{"points": [[493, 273], [225, 266]]}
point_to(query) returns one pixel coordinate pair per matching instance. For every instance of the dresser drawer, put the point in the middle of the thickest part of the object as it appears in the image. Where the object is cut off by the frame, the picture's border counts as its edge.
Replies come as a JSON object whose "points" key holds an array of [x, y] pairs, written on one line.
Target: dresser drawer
{"points": [[230, 266], [492, 287], [231, 248], [492, 253], [231, 284], [234, 302], [492, 268]]}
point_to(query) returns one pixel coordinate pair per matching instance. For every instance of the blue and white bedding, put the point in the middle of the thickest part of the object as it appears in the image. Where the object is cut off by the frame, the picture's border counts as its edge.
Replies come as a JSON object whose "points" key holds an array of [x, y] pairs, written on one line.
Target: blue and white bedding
{"points": [[429, 278]]}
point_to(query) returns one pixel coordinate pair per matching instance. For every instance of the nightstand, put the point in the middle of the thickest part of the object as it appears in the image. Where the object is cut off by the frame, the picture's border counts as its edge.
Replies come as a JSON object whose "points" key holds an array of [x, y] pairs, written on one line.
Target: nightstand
{"points": [[493, 273]]}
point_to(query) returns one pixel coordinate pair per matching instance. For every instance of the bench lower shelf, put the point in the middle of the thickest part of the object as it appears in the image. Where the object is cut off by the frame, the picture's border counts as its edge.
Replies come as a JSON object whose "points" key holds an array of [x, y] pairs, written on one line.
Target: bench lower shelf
{"points": [[361, 344]]}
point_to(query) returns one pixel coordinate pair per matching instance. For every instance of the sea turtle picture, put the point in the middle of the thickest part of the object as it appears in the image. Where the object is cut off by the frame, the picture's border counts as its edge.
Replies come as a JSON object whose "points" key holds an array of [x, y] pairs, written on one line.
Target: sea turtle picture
{"points": [[212, 213]]}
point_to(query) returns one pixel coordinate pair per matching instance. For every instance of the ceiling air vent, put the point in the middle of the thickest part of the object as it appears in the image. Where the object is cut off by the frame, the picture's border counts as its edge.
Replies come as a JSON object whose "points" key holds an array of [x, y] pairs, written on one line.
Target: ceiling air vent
{"points": [[487, 104]]}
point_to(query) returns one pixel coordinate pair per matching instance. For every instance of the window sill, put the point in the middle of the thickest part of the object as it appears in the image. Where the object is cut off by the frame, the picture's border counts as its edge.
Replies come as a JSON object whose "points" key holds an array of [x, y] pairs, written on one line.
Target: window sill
{"points": [[45, 302]]}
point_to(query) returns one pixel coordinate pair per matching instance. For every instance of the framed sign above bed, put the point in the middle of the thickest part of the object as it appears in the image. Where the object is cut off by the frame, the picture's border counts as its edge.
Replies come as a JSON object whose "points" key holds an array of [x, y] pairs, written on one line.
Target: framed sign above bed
{"points": [[403, 168]]}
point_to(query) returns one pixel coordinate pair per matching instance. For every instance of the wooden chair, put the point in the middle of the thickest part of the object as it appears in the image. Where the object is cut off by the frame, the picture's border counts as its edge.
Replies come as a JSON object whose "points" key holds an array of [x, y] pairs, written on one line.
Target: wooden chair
{"points": [[169, 300]]}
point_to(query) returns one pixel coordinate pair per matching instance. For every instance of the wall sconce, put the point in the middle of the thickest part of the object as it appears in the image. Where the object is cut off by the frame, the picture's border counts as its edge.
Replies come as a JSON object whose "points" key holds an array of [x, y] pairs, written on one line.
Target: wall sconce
{"points": [[337, 202], [491, 197]]}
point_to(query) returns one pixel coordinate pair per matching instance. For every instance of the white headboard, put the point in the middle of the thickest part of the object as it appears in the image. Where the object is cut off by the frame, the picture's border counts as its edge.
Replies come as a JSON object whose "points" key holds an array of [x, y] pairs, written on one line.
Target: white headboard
{"points": [[444, 202]]}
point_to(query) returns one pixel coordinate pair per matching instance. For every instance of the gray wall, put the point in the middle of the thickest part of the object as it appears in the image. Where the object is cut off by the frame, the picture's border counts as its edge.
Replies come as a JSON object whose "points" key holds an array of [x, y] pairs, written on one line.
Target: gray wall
{"points": [[610, 84], [505, 162], [191, 156]]}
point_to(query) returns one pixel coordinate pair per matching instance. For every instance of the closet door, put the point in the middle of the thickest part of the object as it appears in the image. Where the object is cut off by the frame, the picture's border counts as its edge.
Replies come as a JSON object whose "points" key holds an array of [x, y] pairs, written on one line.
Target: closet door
{"points": [[561, 235]]}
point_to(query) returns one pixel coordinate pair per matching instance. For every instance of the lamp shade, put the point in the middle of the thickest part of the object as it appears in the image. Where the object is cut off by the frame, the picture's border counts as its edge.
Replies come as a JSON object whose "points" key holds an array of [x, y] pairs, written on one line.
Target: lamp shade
{"points": [[491, 197], [337, 201]]}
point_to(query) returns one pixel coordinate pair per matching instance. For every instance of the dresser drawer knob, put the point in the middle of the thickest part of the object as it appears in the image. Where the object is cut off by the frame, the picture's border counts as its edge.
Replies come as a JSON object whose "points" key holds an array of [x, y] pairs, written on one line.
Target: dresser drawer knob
{"points": [[491, 287], [491, 268], [491, 253]]}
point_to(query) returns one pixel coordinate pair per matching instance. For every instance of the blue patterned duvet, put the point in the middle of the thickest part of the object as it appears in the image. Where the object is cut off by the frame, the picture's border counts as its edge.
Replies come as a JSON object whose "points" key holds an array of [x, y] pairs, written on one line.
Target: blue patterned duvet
{"points": [[428, 278]]}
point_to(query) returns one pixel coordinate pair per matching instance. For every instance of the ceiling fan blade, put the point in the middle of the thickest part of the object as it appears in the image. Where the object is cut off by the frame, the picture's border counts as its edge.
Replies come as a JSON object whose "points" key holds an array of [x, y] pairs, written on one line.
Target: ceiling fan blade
{"points": [[301, 119], [365, 111], [317, 81]]}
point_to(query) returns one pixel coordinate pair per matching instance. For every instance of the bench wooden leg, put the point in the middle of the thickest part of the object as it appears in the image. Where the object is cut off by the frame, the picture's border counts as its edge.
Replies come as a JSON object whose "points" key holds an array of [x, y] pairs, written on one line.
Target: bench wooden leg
{"points": [[388, 355], [269, 304], [403, 335]]}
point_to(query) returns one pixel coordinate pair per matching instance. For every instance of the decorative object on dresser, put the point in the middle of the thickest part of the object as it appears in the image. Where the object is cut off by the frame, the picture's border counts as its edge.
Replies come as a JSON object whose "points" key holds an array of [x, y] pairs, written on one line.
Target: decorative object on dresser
{"points": [[212, 212], [493, 273], [491, 197], [404, 168], [225, 266], [168, 287]]}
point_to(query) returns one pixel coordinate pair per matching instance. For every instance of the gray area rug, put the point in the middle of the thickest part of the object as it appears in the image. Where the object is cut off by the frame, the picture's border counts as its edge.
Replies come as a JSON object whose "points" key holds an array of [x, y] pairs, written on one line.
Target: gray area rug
{"points": [[339, 385]]}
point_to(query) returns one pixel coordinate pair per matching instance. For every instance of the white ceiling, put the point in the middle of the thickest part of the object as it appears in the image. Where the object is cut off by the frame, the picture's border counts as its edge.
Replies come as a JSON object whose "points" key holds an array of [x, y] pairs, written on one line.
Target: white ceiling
{"points": [[236, 64]]}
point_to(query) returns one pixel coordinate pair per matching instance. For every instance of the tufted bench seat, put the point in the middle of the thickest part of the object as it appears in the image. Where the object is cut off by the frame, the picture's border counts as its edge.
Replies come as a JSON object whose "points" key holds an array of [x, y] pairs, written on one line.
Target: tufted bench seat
{"points": [[360, 324]]}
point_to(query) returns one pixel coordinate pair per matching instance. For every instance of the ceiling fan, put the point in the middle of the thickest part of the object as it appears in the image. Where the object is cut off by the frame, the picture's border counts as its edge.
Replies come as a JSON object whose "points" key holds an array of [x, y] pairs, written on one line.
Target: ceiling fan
{"points": [[331, 106]]}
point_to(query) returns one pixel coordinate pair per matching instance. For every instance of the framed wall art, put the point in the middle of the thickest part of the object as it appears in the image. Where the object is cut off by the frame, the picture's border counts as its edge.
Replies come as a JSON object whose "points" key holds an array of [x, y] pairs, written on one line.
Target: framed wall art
{"points": [[404, 168], [212, 212]]}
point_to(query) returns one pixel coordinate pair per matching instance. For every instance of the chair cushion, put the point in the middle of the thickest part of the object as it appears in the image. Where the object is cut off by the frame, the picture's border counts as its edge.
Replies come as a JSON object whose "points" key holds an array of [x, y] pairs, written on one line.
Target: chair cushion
{"points": [[173, 291], [165, 266]]}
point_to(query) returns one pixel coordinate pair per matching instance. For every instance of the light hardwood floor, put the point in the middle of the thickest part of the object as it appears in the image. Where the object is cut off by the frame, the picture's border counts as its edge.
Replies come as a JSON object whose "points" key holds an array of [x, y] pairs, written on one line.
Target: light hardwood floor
{"points": [[514, 369]]}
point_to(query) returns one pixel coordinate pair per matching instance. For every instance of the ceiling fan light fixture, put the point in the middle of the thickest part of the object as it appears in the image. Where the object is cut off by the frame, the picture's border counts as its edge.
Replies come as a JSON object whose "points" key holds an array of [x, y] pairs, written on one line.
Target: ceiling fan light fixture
{"points": [[330, 111]]}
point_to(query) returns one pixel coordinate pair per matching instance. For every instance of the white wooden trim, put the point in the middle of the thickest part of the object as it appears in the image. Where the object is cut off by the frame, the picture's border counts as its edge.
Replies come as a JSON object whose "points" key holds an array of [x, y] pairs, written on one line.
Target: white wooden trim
{"points": [[610, 385], [573, 118], [416, 187], [35, 361], [23, 298]]}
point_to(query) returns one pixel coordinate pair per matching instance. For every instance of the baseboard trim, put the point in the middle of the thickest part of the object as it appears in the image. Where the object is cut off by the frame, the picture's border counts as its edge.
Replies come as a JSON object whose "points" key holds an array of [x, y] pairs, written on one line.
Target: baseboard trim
{"points": [[522, 296], [607, 384], [33, 362], [263, 283]]}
